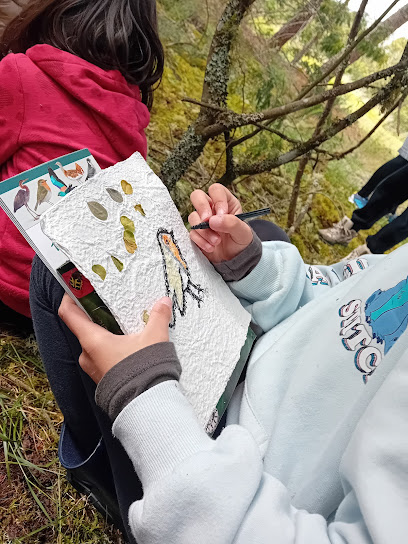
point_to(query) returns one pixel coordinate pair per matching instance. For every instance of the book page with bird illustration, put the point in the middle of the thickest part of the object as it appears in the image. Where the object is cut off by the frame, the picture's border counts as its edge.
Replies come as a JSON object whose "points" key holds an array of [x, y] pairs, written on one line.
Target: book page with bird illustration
{"points": [[125, 235]]}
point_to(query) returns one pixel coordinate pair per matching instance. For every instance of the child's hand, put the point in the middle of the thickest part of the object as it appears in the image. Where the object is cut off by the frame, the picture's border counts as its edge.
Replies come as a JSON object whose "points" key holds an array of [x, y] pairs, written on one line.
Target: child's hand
{"points": [[102, 350], [227, 235]]}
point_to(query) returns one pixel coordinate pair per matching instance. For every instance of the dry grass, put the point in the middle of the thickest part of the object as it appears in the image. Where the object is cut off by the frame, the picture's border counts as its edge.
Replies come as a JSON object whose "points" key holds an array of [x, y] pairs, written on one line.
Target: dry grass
{"points": [[37, 505]]}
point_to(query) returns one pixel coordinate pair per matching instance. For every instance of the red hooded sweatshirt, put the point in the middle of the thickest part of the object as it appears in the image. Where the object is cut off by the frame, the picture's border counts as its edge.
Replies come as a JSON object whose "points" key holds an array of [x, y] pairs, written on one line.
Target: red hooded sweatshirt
{"points": [[53, 103]]}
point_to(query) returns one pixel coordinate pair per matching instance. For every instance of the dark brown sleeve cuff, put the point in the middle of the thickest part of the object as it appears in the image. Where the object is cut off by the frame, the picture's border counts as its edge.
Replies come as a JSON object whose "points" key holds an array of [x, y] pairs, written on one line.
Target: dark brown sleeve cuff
{"points": [[134, 375], [240, 266]]}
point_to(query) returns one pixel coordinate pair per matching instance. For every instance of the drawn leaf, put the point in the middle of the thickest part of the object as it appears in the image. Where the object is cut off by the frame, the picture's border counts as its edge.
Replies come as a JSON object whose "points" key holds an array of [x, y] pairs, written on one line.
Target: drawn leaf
{"points": [[130, 242], [114, 194], [146, 316], [99, 269], [117, 263], [139, 209], [127, 223], [98, 210], [126, 187]]}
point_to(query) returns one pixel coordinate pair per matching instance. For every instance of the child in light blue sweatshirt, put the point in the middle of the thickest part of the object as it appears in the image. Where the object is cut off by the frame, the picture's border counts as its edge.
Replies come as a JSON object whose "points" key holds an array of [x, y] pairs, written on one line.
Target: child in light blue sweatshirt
{"points": [[316, 445]]}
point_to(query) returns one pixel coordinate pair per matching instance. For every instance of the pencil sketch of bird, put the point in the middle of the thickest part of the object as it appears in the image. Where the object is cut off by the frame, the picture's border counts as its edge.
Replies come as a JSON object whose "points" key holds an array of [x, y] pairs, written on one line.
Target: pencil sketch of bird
{"points": [[76, 174], [64, 189], [177, 275], [43, 193], [91, 169], [22, 198]]}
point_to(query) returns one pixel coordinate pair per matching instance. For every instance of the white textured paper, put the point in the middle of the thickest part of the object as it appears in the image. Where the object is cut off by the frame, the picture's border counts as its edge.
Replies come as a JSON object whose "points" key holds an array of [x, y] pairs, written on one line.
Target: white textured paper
{"points": [[210, 334]]}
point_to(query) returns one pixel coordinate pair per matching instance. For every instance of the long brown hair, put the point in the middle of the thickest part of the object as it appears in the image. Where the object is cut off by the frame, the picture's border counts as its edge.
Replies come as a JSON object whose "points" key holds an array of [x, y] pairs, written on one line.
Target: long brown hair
{"points": [[112, 34]]}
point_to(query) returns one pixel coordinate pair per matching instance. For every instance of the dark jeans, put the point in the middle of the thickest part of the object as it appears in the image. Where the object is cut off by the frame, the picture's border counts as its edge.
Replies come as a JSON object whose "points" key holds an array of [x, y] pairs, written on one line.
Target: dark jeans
{"points": [[390, 235], [74, 390], [389, 194], [379, 175]]}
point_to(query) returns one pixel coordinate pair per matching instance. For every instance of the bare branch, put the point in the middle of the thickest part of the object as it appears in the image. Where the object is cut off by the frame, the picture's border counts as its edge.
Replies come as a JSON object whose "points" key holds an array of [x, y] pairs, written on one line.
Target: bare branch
{"points": [[230, 119], [313, 143], [398, 104]]}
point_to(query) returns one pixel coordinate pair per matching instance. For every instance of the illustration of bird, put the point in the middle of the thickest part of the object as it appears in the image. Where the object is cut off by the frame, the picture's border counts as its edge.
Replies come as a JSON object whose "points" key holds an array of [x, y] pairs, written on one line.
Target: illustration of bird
{"points": [[43, 193], [58, 183], [177, 275], [91, 169], [75, 174], [22, 198]]}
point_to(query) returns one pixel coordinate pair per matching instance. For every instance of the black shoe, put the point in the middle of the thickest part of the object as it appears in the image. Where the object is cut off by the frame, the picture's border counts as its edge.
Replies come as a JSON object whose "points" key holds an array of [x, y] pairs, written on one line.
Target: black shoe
{"points": [[91, 476]]}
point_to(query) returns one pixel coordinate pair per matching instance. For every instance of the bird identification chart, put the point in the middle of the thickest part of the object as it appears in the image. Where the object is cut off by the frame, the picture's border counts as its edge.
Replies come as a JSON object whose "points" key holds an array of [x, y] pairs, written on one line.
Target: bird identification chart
{"points": [[124, 234], [27, 196]]}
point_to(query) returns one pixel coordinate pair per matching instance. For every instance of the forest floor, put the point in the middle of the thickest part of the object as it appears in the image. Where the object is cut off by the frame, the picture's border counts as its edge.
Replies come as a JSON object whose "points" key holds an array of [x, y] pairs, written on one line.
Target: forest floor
{"points": [[37, 506]]}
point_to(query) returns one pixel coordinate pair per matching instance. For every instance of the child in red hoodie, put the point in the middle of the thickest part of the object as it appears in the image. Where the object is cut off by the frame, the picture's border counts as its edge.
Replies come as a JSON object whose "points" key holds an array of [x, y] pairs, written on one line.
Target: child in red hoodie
{"points": [[74, 74]]}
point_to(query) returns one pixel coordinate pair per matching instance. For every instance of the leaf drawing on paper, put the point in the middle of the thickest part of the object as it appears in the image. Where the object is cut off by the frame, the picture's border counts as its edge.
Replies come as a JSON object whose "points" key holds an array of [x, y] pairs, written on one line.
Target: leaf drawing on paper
{"points": [[146, 316], [117, 263], [98, 210], [114, 194], [140, 209], [99, 269], [129, 234], [126, 187], [177, 275]]}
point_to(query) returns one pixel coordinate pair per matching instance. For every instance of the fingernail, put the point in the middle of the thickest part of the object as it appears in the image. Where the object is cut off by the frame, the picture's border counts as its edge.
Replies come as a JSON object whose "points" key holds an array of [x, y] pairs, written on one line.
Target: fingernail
{"points": [[214, 238], [206, 216], [166, 301], [221, 209]]}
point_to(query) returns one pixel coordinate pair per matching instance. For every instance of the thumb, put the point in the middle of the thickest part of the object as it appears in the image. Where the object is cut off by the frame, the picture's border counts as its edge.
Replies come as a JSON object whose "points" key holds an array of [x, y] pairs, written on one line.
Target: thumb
{"points": [[157, 327]]}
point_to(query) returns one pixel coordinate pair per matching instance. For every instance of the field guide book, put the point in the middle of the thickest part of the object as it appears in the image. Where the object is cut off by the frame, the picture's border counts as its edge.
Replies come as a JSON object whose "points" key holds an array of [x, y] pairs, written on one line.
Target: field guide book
{"points": [[116, 242]]}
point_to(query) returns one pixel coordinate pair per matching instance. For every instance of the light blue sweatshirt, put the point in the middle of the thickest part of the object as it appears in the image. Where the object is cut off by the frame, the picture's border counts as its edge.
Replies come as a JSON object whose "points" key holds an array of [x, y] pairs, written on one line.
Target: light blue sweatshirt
{"points": [[316, 447]]}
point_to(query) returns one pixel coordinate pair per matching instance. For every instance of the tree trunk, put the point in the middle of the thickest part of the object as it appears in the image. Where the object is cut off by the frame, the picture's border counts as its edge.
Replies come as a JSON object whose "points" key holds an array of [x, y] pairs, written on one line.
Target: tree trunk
{"points": [[296, 24], [191, 145]]}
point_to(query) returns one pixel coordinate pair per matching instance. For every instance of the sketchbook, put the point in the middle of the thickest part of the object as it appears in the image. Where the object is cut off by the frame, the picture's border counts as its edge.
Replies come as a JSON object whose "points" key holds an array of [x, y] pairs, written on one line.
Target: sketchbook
{"points": [[117, 243]]}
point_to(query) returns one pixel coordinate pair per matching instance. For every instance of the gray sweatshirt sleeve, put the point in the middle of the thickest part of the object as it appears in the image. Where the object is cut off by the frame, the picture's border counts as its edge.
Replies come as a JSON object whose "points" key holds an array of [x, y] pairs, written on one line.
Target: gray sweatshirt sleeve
{"points": [[136, 374], [240, 266]]}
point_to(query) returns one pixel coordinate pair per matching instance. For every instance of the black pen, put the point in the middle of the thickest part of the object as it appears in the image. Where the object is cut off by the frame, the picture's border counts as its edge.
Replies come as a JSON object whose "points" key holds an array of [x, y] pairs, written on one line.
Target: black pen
{"points": [[242, 216]]}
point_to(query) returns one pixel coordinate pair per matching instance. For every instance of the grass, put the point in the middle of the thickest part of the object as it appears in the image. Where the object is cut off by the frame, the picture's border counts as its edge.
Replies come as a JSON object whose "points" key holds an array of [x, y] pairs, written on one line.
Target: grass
{"points": [[37, 505]]}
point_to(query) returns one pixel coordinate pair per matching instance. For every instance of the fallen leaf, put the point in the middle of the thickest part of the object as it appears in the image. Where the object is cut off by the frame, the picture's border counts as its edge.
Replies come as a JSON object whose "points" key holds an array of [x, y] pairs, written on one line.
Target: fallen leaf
{"points": [[130, 242], [99, 269], [117, 263], [114, 194], [127, 223], [146, 316], [126, 187], [139, 209], [98, 210]]}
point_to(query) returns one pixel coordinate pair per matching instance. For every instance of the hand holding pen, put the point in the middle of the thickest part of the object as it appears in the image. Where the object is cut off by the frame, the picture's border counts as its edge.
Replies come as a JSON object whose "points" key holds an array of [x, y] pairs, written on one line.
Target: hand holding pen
{"points": [[226, 235]]}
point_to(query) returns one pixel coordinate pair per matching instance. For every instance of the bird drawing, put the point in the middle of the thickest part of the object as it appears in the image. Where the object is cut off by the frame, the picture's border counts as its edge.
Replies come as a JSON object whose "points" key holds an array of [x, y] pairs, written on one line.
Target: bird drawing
{"points": [[177, 275], [91, 169], [75, 174], [64, 189], [22, 198], [43, 193]]}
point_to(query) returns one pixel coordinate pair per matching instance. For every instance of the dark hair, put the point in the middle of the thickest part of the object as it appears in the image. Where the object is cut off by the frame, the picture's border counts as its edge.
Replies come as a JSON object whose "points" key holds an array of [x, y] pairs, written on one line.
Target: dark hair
{"points": [[112, 34]]}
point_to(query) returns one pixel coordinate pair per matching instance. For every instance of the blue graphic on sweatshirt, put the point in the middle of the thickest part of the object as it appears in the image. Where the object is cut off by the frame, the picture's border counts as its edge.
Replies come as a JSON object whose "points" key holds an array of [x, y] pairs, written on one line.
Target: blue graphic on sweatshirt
{"points": [[371, 329], [387, 314]]}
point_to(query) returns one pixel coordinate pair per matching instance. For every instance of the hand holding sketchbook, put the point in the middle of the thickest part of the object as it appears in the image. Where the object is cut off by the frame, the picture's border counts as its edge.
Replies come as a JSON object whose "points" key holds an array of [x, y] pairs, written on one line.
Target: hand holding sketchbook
{"points": [[123, 232]]}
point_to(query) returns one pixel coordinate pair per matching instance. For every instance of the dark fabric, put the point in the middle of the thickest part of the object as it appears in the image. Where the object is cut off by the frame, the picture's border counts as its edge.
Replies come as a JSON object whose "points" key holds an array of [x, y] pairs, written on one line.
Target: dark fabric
{"points": [[268, 231], [74, 390], [240, 266], [379, 175], [389, 194], [13, 322], [390, 235], [136, 374]]}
